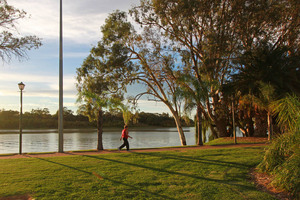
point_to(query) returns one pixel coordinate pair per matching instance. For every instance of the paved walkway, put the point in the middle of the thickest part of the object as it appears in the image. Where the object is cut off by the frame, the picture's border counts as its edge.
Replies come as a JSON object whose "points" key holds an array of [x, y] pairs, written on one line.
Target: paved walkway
{"points": [[32, 155]]}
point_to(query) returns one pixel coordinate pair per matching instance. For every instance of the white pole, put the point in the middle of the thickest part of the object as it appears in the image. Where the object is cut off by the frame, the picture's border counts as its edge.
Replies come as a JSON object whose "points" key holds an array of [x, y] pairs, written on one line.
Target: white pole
{"points": [[60, 116]]}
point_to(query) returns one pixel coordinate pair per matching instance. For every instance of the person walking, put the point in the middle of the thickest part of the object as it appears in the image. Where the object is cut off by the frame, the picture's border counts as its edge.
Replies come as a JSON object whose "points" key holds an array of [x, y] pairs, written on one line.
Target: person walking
{"points": [[125, 135]]}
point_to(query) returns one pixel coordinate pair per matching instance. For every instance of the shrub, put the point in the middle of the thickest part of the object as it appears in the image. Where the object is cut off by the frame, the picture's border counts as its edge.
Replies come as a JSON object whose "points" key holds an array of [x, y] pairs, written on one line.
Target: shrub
{"points": [[287, 176], [282, 160]]}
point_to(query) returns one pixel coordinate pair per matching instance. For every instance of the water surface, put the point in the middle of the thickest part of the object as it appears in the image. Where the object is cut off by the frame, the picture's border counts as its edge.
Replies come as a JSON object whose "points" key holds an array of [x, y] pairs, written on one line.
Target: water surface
{"points": [[82, 139]]}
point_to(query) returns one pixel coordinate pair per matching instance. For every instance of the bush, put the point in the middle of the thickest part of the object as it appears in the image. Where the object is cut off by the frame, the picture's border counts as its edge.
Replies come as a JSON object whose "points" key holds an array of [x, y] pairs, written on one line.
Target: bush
{"points": [[282, 160], [287, 176]]}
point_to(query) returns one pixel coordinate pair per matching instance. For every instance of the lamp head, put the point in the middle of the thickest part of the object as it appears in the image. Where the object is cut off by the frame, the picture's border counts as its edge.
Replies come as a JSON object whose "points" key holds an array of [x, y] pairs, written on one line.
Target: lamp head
{"points": [[21, 86]]}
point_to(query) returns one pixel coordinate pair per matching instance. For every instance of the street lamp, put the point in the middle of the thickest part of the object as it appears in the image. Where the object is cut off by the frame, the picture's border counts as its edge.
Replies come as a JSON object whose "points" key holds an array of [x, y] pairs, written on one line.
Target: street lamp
{"points": [[61, 107], [21, 87]]}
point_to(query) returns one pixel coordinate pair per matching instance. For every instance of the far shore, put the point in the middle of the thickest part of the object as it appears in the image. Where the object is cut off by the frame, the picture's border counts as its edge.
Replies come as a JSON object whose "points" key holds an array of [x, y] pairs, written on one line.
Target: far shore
{"points": [[87, 130]]}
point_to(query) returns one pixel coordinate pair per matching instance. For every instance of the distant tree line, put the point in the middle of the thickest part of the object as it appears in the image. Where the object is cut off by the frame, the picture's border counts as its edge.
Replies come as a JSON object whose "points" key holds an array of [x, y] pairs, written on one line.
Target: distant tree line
{"points": [[41, 118]]}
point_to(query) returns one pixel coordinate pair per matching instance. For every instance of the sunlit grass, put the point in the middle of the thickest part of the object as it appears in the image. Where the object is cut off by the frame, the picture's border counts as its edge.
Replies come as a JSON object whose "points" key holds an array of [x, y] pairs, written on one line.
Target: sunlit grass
{"points": [[240, 140], [188, 174]]}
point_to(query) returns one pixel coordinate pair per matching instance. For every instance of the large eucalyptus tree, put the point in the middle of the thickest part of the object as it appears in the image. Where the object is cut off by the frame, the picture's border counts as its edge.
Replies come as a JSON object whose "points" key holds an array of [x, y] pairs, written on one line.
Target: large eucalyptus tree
{"points": [[141, 58], [214, 33]]}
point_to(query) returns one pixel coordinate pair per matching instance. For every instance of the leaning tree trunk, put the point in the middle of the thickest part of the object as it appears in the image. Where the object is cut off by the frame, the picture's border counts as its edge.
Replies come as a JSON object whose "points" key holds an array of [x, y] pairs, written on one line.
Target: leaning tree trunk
{"points": [[100, 129], [199, 126], [179, 128]]}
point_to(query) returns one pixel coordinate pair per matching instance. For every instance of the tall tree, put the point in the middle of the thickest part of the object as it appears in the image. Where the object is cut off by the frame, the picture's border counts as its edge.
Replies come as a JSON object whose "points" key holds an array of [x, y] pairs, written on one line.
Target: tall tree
{"points": [[214, 33], [147, 62], [97, 89], [10, 43], [202, 29]]}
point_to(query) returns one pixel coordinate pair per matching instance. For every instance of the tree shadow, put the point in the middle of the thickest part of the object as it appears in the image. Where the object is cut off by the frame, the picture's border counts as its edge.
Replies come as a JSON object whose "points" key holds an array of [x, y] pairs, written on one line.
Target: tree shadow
{"points": [[104, 178], [226, 182], [196, 160]]}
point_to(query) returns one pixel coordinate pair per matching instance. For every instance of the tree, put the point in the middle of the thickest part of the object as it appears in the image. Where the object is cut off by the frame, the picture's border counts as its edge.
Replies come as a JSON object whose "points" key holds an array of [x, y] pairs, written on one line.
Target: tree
{"points": [[202, 30], [10, 43], [144, 61], [97, 89], [194, 95], [127, 114], [214, 33], [264, 101], [265, 73]]}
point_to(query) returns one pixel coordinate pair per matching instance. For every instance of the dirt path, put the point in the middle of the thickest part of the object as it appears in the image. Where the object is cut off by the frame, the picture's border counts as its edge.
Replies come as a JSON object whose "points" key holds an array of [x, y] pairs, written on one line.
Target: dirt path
{"points": [[32, 155]]}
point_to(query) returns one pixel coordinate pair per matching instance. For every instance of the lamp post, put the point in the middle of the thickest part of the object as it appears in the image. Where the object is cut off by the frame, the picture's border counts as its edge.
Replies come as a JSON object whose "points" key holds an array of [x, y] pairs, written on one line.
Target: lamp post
{"points": [[21, 87], [61, 107], [233, 121]]}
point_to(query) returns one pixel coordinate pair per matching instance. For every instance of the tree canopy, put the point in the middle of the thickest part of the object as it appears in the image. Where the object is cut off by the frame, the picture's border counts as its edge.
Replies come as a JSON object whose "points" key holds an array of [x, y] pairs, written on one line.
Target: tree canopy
{"points": [[11, 44]]}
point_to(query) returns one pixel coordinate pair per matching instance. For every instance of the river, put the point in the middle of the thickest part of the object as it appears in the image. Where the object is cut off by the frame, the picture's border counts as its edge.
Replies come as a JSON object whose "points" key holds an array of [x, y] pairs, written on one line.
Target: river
{"points": [[83, 139]]}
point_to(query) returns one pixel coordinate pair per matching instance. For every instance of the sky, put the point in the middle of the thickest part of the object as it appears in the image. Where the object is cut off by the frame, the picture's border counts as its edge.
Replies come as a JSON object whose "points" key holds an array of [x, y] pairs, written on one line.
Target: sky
{"points": [[40, 72]]}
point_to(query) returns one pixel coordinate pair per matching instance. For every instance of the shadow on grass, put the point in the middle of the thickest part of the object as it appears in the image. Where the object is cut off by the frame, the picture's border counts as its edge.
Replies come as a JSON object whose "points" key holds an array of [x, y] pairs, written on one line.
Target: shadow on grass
{"points": [[226, 182], [104, 178], [196, 160]]}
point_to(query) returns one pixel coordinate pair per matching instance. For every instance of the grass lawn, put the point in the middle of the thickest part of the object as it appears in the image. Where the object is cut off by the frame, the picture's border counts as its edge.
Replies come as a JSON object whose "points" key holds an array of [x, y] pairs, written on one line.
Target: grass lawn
{"points": [[185, 174], [240, 140]]}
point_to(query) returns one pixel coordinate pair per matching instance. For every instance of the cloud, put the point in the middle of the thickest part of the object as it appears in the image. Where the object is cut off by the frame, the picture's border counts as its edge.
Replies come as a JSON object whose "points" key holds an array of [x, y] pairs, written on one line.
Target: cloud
{"points": [[37, 85], [81, 19]]}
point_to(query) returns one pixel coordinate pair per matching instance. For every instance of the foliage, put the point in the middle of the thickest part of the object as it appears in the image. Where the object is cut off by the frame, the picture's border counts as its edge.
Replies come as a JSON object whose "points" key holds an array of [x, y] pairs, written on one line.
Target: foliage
{"points": [[282, 161], [10, 43], [210, 35], [267, 64], [282, 157], [287, 175], [288, 111], [41, 119], [265, 73], [130, 57], [187, 174]]}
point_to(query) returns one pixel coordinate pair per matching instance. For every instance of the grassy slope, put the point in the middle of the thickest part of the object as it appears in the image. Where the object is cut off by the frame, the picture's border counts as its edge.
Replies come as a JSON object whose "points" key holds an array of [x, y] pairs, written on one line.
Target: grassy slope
{"points": [[186, 174]]}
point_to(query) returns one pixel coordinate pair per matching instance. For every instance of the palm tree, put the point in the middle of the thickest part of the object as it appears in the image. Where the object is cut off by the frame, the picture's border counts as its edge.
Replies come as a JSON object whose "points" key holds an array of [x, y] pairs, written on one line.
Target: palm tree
{"points": [[265, 100], [288, 112], [194, 95]]}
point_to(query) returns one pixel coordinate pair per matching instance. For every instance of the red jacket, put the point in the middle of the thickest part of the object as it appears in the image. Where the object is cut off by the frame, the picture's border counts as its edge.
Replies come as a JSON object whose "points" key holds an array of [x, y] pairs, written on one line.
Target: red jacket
{"points": [[125, 133]]}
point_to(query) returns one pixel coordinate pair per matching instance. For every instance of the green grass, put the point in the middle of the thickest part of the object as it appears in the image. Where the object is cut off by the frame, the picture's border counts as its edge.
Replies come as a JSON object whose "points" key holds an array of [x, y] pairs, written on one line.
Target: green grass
{"points": [[240, 140], [187, 174]]}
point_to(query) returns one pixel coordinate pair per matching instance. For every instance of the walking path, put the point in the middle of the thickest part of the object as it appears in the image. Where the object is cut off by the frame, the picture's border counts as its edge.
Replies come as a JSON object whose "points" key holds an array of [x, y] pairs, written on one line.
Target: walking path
{"points": [[54, 154]]}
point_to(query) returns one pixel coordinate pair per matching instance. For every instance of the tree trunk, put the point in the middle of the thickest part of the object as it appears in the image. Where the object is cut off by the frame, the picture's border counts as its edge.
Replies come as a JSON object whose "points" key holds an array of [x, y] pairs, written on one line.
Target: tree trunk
{"points": [[270, 128], [221, 127], [260, 124], [179, 129], [220, 120], [100, 129], [199, 127], [250, 127], [213, 131]]}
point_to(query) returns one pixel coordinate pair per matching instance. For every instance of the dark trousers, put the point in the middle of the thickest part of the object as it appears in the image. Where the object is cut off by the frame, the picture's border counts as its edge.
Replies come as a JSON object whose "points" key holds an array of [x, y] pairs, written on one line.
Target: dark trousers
{"points": [[125, 143]]}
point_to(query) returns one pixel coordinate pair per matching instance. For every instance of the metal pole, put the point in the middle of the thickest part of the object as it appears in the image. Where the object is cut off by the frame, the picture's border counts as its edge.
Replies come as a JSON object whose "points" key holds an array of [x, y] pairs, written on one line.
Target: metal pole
{"points": [[60, 117], [20, 123], [233, 123]]}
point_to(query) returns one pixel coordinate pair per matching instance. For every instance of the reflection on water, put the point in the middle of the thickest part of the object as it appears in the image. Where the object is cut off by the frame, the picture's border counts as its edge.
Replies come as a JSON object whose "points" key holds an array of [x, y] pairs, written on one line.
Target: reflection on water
{"points": [[78, 139]]}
